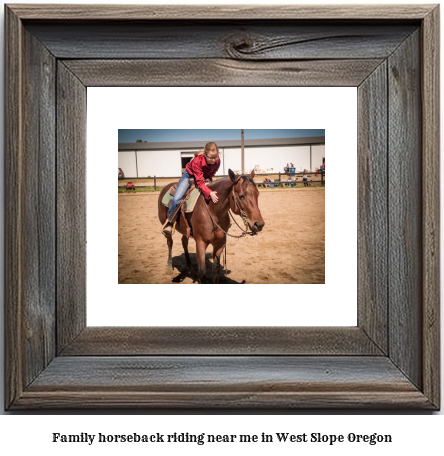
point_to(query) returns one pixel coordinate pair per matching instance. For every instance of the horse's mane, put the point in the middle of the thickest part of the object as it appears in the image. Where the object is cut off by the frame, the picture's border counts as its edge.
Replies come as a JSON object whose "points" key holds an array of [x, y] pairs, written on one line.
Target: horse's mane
{"points": [[249, 179]]}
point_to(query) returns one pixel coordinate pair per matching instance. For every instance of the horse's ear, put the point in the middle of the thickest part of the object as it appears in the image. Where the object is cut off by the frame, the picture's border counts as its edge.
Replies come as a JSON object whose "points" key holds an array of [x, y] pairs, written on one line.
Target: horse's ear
{"points": [[232, 175], [252, 174]]}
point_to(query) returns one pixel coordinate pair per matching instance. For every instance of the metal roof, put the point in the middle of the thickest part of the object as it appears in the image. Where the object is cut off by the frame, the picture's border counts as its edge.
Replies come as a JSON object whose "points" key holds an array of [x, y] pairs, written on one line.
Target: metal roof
{"points": [[222, 144]]}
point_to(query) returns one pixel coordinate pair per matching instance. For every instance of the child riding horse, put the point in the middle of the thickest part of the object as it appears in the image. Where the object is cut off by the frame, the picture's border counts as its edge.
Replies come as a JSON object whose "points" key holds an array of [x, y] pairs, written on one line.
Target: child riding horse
{"points": [[203, 166]]}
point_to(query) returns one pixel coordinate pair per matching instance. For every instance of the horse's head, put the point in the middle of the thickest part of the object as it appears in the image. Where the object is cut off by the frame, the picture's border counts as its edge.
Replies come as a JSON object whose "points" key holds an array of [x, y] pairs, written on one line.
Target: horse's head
{"points": [[245, 200]]}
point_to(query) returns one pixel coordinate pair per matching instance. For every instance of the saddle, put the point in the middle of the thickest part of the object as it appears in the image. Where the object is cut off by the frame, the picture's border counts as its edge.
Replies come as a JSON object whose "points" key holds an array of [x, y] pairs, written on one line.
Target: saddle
{"points": [[187, 204]]}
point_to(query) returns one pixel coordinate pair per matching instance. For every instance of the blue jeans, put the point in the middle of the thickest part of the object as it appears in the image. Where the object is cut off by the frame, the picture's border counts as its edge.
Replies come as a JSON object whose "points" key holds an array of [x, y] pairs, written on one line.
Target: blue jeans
{"points": [[182, 188]]}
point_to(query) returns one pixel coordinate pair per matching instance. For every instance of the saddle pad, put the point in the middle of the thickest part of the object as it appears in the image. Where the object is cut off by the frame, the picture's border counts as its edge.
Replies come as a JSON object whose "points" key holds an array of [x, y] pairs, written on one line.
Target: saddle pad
{"points": [[189, 206]]}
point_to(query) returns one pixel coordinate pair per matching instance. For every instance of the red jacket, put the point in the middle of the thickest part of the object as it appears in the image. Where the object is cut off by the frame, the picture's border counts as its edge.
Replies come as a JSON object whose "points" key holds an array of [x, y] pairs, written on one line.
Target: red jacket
{"points": [[199, 168]]}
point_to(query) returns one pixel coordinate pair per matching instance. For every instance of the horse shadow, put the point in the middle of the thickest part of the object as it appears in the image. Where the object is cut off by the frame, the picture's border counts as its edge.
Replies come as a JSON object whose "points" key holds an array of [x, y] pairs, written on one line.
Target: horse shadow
{"points": [[180, 264]]}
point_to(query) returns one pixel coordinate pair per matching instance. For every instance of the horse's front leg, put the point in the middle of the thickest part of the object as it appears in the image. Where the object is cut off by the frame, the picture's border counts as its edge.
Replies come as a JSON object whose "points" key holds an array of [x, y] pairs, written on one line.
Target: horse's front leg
{"points": [[201, 248], [169, 239], [217, 252], [187, 255]]}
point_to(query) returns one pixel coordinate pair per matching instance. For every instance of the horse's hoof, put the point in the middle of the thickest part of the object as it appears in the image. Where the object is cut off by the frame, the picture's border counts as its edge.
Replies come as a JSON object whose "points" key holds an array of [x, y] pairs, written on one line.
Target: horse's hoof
{"points": [[170, 266]]}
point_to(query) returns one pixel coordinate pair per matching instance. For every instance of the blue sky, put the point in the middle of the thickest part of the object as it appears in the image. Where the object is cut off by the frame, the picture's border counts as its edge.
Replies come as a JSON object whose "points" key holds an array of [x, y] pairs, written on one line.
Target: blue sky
{"points": [[131, 136]]}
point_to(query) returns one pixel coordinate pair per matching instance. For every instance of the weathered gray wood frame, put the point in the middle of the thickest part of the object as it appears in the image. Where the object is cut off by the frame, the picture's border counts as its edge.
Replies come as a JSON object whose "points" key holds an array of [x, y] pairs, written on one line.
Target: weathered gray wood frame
{"points": [[390, 360]]}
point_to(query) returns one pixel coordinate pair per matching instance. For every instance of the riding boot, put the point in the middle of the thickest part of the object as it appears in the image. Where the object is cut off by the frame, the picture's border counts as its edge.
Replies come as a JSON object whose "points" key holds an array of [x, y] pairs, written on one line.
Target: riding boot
{"points": [[169, 224], [167, 228]]}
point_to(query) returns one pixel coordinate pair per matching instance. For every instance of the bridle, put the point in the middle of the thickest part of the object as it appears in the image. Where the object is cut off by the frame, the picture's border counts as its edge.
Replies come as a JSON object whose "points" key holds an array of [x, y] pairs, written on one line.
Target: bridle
{"points": [[237, 206], [242, 214]]}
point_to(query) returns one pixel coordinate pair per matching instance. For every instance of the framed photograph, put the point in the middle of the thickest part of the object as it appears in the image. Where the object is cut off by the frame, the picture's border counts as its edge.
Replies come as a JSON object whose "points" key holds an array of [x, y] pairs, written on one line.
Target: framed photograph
{"points": [[294, 248], [390, 359]]}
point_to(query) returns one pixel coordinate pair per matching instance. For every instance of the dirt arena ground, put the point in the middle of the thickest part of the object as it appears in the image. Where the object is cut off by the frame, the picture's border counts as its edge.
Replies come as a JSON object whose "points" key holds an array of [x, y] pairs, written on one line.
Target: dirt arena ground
{"points": [[290, 248]]}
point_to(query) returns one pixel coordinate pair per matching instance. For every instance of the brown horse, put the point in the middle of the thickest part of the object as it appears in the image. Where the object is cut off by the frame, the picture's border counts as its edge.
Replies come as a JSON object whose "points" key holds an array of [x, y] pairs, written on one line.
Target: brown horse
{"points": [[238, 193]]}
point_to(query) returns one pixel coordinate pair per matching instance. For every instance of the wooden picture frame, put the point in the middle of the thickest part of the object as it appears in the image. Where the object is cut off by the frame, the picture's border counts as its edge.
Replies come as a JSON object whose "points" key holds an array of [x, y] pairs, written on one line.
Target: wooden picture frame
{"points": [[390, 360]]}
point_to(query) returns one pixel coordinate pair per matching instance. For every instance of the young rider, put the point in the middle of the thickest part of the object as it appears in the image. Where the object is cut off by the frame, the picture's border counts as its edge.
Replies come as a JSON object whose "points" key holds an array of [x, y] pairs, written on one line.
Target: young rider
{"points": [[203, 166]]}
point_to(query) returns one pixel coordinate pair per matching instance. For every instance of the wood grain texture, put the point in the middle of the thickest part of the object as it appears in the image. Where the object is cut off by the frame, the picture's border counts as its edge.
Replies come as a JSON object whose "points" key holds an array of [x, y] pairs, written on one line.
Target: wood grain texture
{"points": [[430, 94], [38, 222], [209, 72], [210, 373], [405, 209], [258, 40], [220, 12], [372, 207], [246, 401], [13, 207], [71, 206], [30, 205], [290, 382], [126, 341]]}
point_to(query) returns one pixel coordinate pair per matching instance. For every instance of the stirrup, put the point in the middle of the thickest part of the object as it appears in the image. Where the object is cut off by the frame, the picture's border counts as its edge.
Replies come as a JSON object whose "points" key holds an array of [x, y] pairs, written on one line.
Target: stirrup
{"points": [[167, 228]]}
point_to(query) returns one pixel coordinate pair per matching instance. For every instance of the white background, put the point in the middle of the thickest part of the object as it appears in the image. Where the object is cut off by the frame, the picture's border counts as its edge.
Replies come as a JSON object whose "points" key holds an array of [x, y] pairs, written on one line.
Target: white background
{"points": [[413, 434], [329, 304], [410, 434]]}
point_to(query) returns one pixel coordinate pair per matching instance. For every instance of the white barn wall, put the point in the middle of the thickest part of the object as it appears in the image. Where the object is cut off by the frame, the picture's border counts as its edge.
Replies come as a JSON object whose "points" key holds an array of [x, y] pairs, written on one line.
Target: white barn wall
{"points": [[277, 158], [232, 159], [127, 161], [220, 171], [159, 163], [301, 158], [167, 163], [317, 154]]}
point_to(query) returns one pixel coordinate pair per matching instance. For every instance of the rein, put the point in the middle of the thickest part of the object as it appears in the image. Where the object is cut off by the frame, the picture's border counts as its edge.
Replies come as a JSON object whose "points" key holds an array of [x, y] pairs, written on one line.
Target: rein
{"points": [[237, 237]]}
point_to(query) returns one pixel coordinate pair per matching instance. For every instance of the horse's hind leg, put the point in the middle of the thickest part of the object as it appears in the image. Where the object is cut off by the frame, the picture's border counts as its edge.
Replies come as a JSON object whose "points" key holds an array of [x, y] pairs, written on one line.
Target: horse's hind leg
{"points": [[217, 252], [187, 255], [170, 249]]}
